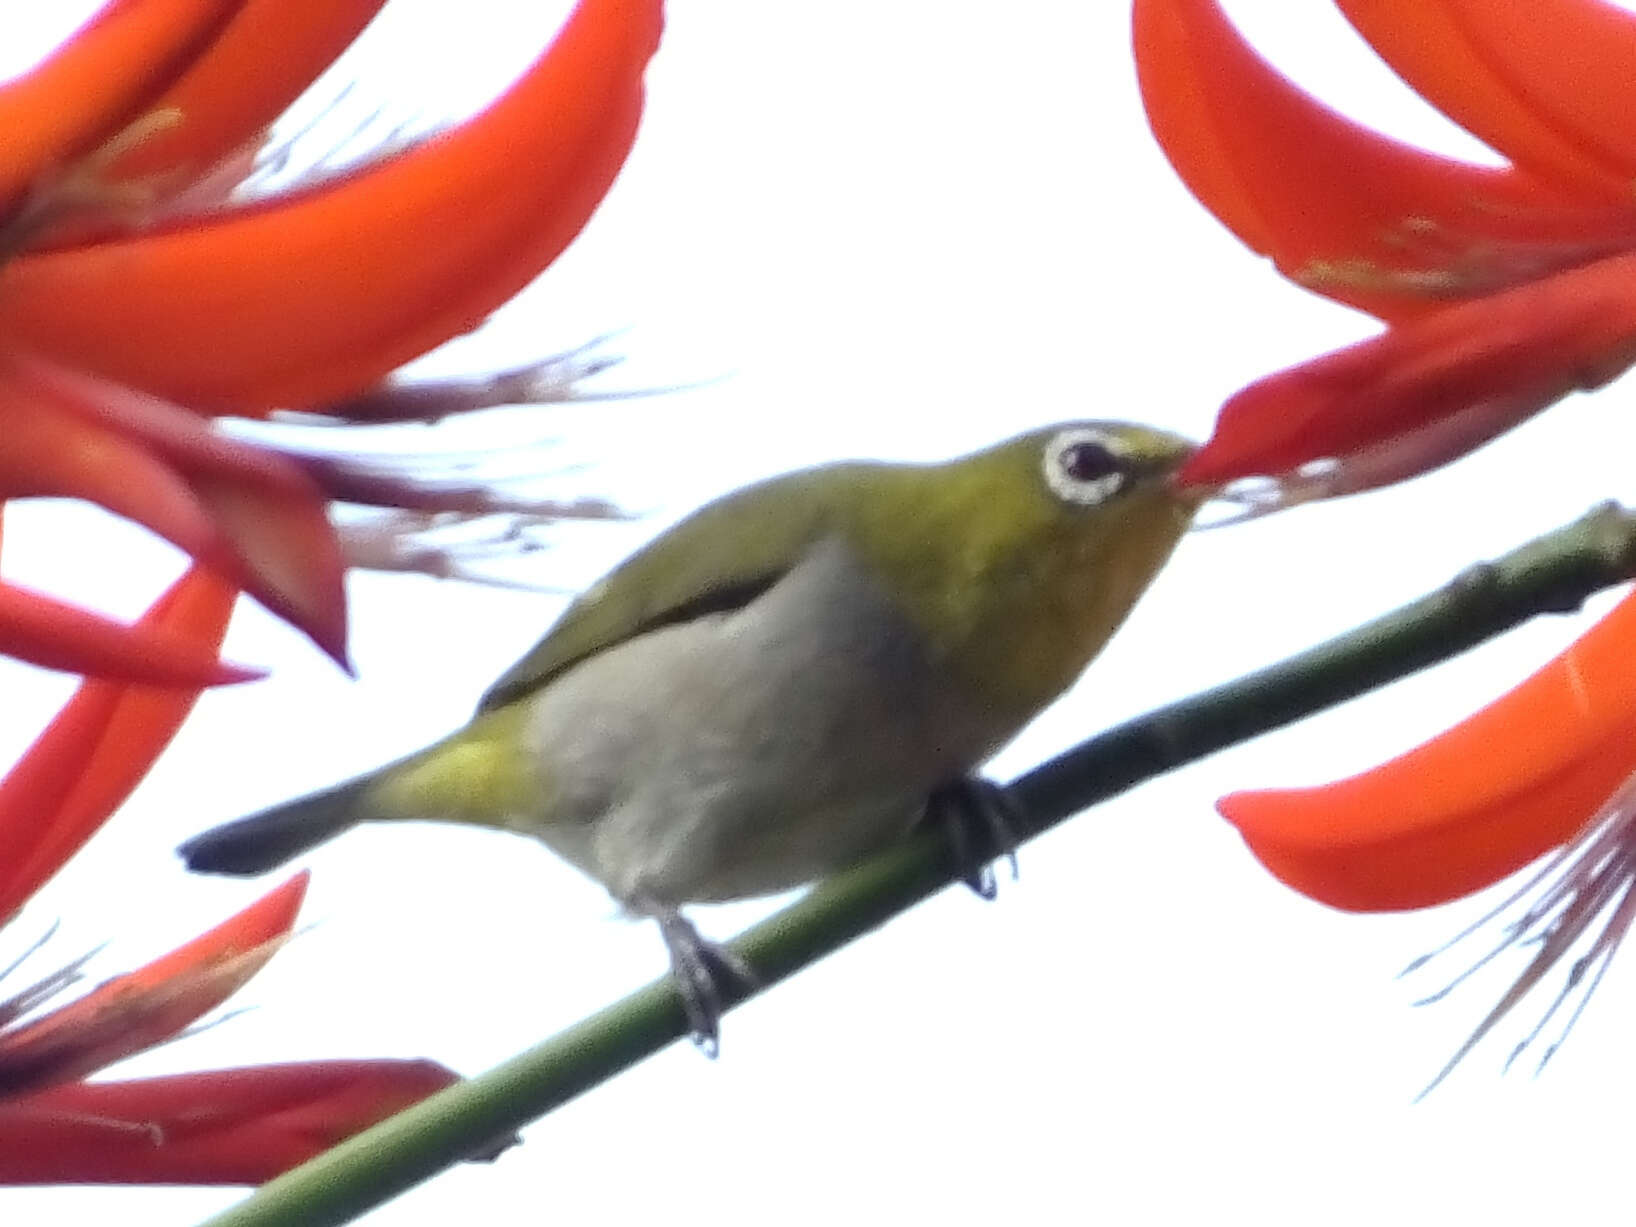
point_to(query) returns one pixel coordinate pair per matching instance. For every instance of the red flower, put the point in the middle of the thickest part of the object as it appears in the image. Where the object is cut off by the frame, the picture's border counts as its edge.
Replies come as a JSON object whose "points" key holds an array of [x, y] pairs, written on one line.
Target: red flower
{"points": [[1551, 762], [134, 304], [1504, 290], [227, 1126], [137, 302]]}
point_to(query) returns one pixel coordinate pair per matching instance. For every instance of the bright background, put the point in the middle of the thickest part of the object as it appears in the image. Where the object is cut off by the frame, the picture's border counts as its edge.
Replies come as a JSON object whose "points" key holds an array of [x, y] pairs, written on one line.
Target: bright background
{"points": [[893, 230]]}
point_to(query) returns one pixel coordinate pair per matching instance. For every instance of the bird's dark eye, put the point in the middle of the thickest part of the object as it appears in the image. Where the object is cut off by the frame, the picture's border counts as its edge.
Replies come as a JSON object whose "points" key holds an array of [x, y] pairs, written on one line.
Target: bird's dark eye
{"points": [[1083, 466], [1086, 461]]}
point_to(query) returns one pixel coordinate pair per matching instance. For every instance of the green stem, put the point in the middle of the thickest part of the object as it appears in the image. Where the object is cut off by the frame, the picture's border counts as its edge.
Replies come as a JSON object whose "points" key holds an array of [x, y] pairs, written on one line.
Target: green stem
{"points": [[1552, 574]]}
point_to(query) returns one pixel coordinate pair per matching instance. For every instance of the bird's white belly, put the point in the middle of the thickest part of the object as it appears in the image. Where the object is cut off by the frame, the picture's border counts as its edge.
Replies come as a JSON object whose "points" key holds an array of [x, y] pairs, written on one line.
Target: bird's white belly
{"points": [[745, 753]]}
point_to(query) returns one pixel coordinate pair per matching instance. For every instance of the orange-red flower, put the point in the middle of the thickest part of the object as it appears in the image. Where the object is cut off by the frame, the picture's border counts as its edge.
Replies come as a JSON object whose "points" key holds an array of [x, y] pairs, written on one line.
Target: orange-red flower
{"points": [[1551, 762], [135, 304], [1503, 290], [226, 1126]]}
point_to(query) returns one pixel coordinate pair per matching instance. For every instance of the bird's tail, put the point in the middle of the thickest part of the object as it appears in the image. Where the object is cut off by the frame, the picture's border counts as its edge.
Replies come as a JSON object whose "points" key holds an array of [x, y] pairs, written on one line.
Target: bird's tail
{"points": [[476, 775], [262, 841]]}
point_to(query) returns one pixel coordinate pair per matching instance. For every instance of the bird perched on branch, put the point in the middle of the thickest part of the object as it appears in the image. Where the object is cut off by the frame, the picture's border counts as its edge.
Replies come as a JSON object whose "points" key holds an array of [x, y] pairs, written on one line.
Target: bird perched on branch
{"points": [[772, 689]]}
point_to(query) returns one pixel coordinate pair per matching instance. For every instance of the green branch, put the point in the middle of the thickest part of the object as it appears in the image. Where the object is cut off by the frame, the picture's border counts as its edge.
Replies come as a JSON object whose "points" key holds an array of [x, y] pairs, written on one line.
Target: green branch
{"points": [[1552, 574]]}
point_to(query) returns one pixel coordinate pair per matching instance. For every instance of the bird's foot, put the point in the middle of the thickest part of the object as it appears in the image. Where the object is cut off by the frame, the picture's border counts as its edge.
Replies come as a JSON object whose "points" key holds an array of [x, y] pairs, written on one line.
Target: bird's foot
{"points": [[981, 818], [705, 973]]}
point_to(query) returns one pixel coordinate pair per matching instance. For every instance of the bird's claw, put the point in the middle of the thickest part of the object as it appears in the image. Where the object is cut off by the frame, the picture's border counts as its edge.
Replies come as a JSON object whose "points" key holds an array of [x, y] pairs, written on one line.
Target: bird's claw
{"points": [[979, 811], [704, 974]]}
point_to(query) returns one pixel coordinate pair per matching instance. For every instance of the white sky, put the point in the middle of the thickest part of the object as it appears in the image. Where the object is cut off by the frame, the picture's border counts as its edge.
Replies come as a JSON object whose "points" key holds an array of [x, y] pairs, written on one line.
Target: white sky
{"points": [[902, 231]]}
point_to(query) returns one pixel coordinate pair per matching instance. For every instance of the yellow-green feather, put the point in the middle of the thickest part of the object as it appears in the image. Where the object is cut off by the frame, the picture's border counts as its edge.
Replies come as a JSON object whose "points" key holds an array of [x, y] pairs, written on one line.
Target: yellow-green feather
{"points": [[974, 547], [481, 774], [1016, 589]]}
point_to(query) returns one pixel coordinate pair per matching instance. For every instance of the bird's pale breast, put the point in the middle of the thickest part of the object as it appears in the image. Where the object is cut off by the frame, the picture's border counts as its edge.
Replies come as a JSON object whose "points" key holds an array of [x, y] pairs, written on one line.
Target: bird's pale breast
{"points": [[753, 751]]}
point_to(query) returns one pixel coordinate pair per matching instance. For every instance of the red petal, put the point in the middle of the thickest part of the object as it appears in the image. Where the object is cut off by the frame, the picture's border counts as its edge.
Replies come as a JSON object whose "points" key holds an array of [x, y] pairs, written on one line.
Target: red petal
{"points": [[55, 635], [231, 1126], [1572, 62], [1538, 342], [318, 296], [96, 81], [268, 919], [1282, 171], [145, 1007], [52, 451], [99, 746], [247, 511], [1429, 44], [1475, 803]]}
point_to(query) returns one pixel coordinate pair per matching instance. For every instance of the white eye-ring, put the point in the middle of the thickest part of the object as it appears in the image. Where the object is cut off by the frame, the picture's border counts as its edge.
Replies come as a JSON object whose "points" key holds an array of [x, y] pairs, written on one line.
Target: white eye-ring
{"points": [[1084, 466]]}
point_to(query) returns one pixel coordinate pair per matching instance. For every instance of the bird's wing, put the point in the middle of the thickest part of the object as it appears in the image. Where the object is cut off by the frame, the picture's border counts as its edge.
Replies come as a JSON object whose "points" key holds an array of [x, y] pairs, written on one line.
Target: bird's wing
{"points": [[720, 558]]}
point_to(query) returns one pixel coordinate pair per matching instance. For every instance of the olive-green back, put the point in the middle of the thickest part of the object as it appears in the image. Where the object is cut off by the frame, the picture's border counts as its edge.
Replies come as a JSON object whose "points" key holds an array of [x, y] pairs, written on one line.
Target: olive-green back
{"points": [[719, 558]]}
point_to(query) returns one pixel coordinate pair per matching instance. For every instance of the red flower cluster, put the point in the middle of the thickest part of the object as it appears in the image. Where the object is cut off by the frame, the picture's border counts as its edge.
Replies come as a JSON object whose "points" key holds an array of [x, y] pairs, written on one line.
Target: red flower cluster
{"points": [[136, 303], [224, 1126], [1503, 290]]}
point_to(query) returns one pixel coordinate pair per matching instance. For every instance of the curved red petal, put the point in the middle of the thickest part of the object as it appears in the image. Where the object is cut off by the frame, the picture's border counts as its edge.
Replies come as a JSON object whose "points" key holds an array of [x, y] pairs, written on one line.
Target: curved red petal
{"points": [[251, 513], [56, 635], [1538, 342], [268, 919], [1471, 805], [1183, 98], [289, 555], [96, 750], [52, 452], [135, 1011], [316, 297], [1285, 173]]}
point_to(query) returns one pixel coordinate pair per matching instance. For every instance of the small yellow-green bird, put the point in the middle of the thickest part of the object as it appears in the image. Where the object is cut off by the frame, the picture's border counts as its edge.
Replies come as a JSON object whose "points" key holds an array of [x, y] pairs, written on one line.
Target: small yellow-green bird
{"points": [[772, 689]]}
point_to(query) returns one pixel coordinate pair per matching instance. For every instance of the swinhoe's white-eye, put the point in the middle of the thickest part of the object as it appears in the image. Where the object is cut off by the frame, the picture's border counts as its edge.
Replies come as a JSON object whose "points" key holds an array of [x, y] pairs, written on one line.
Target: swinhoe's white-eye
{"points": [[772, 689]]}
